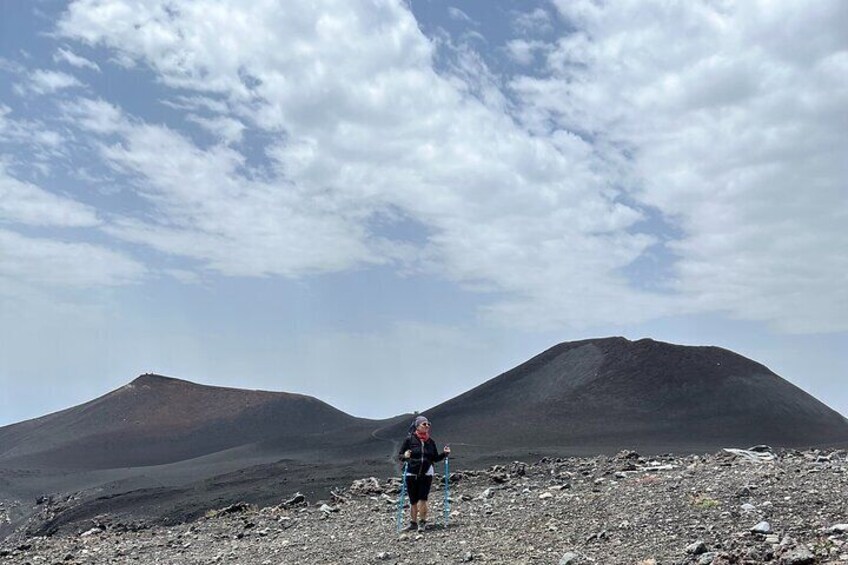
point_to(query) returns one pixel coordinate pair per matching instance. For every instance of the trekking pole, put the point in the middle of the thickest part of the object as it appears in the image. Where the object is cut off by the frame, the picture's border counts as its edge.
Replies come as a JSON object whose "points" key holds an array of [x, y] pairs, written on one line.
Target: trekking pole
{"points": [[402, 496], [447, 491]]}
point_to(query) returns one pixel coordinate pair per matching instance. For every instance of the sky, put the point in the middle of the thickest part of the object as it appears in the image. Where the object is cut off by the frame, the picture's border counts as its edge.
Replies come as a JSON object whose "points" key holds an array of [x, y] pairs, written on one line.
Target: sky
{"points": [[384, 203]]}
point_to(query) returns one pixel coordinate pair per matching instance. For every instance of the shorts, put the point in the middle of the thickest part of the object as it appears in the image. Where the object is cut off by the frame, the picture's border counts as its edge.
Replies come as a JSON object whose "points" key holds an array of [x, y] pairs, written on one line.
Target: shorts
{"points": [[418, 487]]}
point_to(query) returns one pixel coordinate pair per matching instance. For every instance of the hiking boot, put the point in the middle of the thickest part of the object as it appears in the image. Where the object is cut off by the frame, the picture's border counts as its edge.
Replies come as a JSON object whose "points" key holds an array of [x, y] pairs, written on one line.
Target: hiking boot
{"points": [[413, 526], [422, 525]]}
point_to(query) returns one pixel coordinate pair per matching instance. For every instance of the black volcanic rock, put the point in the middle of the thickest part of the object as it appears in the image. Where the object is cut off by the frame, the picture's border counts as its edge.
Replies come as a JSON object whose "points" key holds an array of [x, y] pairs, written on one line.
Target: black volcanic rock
{"points": [[155, 420], [675, 510], [603, 395]]}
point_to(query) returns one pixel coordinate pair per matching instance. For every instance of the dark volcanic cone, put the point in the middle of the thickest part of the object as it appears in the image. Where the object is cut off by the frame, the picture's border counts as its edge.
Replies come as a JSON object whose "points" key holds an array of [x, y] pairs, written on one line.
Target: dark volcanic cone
{"points": [[155, 420], [608, 394]]}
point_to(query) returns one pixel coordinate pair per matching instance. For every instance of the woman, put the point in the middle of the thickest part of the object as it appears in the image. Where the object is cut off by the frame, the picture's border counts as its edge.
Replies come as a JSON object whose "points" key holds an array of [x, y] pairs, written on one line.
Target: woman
{"points": [[419, 452]]}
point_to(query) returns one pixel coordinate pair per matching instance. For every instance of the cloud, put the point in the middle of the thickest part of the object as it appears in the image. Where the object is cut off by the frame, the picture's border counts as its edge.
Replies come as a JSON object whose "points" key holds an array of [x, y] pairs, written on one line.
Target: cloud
{"points": [[523, 51], [197, 103], [367, 125], [95, 115], [42, 81], [25, 203], [47, 262], [71, 58], [34, 134], [734, 137], [223, 128], [535, 22], [206, 209], [460, 16], [690, 111]]}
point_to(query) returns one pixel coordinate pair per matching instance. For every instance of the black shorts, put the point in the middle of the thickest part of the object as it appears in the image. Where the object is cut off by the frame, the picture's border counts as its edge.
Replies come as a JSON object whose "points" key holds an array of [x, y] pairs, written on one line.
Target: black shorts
{"points": [[418, 487]]}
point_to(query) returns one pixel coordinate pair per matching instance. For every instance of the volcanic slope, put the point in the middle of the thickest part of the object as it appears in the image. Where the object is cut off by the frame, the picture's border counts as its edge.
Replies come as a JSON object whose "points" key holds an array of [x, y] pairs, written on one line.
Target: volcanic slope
{"points": [[602, 395], [156, 420]]}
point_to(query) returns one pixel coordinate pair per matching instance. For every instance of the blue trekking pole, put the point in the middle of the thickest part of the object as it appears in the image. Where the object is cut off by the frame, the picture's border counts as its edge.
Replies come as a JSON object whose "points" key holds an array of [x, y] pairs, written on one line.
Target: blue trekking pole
{"points": [[402, 496], [447, 491]]}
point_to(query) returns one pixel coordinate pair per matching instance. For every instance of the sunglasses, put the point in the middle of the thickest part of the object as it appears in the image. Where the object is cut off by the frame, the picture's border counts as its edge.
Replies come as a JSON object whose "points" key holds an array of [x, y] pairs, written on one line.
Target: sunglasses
{"points": [[426, 424]]}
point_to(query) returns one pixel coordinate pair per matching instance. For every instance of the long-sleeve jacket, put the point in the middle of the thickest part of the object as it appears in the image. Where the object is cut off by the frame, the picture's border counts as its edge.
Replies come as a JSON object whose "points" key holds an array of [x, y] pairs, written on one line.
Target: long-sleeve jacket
{"points": [[424, 454]]}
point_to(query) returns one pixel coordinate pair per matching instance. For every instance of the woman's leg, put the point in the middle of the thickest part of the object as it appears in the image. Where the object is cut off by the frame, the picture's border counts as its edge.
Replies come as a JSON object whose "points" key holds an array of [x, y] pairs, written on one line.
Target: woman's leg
{"points": [[422, 510], [413, 512], [424, 484], [412, 490]]}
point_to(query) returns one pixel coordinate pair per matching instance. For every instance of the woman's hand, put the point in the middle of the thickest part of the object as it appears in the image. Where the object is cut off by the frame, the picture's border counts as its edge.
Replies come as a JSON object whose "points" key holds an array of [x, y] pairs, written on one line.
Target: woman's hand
{"points": [[447, 450], [407, 454]]}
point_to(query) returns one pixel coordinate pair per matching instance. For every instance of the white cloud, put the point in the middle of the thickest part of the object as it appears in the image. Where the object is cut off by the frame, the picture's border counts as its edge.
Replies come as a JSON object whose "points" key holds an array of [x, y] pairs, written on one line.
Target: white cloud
{"points": [[537, 21], [223, 128], [523, 51], [368, 125], [460, 16], [734, 117], [197, 103], [68, 56], [207, 210], [46, 262], [95, 115], [34, 134], [42, 81], [25, 203], [692, 107]]}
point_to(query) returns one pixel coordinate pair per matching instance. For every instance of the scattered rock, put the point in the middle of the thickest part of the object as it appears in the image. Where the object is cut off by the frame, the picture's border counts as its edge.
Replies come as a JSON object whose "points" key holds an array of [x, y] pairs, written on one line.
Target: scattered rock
{"points": [[643, 518], [706, 558], [762, 528], [488, 493], [696, 548], [371, 485], [569, 558], [798, 556], [296, 500], [236, 508]]}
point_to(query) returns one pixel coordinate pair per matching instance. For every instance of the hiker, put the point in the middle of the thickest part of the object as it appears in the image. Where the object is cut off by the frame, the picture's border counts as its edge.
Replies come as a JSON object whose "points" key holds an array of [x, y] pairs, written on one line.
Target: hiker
{"points": [[420, 452]]}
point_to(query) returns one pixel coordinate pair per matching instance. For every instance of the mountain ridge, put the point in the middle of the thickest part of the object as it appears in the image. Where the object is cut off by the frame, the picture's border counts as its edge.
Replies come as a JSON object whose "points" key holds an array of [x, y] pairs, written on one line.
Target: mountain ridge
{"points": [[165, 447]]}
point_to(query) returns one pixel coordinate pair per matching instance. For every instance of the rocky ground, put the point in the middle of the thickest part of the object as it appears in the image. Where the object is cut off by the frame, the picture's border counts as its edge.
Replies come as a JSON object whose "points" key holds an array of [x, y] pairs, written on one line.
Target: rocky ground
{"points": [[722, 508]]}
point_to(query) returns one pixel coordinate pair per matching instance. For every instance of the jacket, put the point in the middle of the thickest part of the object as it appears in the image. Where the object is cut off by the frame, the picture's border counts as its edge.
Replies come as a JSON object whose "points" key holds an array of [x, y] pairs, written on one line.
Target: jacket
{"points": [[424, 454]]}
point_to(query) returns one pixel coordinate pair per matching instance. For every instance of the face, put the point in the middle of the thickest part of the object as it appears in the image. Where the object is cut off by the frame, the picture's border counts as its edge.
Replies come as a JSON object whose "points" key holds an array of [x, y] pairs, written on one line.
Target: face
{"points": [[424, 427]]}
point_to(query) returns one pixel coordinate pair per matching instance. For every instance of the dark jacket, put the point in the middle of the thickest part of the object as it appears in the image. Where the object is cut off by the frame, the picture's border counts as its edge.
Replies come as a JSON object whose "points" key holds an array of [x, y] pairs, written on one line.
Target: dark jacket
{"points": [[424, 454]]}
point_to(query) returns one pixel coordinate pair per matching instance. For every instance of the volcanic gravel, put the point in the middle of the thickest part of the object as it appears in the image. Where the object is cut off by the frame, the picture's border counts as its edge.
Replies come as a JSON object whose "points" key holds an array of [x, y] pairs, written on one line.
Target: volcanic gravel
{"points": [[720, 508]]}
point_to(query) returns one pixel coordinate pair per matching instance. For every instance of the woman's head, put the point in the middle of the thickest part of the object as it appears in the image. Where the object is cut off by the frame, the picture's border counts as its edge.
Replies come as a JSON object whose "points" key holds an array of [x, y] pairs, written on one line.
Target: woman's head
{"points": [[421, 424]]}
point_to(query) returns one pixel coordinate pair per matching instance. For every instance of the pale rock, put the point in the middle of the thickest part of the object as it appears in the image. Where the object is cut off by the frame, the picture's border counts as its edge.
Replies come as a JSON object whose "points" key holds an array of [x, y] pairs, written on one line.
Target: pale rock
{"points": [[798, 556], [762, 528], [707, 558], [569, 558], [696, 548]]}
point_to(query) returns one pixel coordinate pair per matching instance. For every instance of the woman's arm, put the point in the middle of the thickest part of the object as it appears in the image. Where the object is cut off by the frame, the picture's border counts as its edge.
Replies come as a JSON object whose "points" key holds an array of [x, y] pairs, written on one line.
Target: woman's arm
{"points": [[439, 456], [404, 446]]}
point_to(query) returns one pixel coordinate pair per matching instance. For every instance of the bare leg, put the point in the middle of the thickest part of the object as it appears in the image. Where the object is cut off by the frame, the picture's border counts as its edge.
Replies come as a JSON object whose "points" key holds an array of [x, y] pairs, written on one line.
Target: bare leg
{"points": [[413, 512], [422, 510]]}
